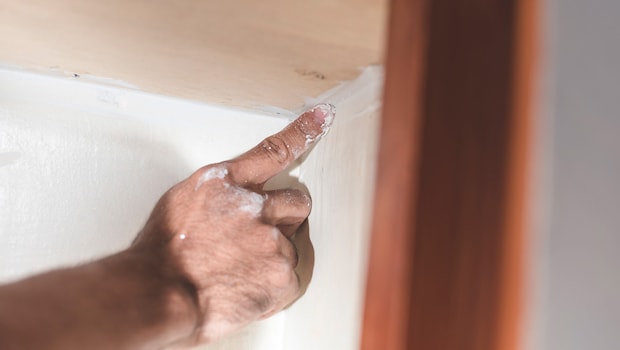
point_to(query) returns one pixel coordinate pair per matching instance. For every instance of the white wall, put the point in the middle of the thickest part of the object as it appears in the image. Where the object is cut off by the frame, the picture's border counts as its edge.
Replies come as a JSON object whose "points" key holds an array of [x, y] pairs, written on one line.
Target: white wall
{"points": [[82, 164]]}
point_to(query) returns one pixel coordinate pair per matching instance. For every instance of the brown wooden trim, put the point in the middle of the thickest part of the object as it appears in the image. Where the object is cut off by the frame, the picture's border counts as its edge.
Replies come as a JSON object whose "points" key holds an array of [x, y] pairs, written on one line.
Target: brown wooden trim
{"points": [[520, 154], [390, 269], [445, 266]]}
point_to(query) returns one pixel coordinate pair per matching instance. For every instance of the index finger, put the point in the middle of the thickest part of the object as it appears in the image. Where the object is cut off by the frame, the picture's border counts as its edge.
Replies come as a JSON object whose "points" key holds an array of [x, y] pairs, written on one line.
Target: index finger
{"points": [[278, 151]]}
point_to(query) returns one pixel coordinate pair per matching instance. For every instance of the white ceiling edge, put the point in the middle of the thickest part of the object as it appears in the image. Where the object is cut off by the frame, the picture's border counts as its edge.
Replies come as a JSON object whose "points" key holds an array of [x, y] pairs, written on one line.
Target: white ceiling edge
{"points": [[108, 95]]}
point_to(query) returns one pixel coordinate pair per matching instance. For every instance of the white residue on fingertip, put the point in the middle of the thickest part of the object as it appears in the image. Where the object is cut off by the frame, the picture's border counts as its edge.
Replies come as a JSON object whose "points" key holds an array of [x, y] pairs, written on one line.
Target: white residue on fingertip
{"points": [[329, 112], [329, 118]]}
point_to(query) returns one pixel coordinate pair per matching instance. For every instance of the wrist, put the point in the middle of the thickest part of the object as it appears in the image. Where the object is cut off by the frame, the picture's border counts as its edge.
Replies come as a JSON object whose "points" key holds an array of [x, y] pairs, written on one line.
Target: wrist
{"points": [[167, 301]]}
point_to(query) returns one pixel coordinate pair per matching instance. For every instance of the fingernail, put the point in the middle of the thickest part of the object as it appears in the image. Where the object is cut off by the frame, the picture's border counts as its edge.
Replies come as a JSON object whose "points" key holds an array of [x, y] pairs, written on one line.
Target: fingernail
{"points": [[325, 112]]}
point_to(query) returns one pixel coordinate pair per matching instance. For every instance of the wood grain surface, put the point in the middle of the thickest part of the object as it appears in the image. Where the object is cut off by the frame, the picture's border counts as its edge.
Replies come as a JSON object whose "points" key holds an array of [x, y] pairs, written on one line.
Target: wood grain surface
{"points": [[237, 52], [390, 269], [446, 251]]}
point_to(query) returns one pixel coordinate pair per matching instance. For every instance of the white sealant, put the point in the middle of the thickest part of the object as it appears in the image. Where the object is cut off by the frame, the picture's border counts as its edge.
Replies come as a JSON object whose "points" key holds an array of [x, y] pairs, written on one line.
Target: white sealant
{"points": [[216, 172], [249, 201], [329, 111]]}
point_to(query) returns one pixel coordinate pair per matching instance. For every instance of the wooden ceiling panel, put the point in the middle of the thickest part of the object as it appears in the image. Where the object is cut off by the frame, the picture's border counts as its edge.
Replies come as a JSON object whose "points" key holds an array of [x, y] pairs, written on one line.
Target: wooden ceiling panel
{"points": [[240, 53]]}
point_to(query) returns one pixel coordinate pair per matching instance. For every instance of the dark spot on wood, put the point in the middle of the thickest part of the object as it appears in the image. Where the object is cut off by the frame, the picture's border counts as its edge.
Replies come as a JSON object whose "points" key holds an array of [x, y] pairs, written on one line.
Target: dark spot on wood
{"points": [[312, 73]]}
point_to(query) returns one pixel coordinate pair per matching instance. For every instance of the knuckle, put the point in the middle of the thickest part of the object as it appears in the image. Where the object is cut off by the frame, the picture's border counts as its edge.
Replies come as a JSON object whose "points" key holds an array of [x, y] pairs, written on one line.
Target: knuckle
{"points": [[261, 302], [276, 149], [209, 172], [200, 171], [175, 195]]}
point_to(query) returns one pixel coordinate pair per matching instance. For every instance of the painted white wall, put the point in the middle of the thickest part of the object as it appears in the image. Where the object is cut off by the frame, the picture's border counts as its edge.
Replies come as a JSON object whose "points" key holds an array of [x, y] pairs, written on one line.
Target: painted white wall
{"points": [[82, 164]]}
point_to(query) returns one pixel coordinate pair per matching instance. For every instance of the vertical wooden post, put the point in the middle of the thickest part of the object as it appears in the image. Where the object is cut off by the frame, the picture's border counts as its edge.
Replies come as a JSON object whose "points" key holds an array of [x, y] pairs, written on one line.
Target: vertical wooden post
{"points": [[513, 304], [389, 286], [447, 240]]}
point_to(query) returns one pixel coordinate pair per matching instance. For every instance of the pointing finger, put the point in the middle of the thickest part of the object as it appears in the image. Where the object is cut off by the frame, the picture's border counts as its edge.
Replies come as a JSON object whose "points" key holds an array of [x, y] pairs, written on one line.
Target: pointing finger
{"points": [[278, 151]]}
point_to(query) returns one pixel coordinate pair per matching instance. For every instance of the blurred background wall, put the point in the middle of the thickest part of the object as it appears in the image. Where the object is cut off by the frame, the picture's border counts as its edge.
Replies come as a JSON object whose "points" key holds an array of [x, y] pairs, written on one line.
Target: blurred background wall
{"points": [[578, 289]]}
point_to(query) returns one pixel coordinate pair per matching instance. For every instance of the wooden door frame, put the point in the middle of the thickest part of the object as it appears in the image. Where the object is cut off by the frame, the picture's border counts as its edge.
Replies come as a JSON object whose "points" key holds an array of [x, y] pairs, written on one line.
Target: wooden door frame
{"points": [[446, 259]]}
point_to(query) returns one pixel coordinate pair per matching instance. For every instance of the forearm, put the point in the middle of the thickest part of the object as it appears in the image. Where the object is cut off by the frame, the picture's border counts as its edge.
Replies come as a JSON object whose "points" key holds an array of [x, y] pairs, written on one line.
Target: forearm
{"points": [[125, 301]]}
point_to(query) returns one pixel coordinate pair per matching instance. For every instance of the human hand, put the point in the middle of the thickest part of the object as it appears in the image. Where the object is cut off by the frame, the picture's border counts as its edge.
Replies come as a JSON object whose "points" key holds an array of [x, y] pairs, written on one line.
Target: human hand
{"points": [[228, 239]]}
